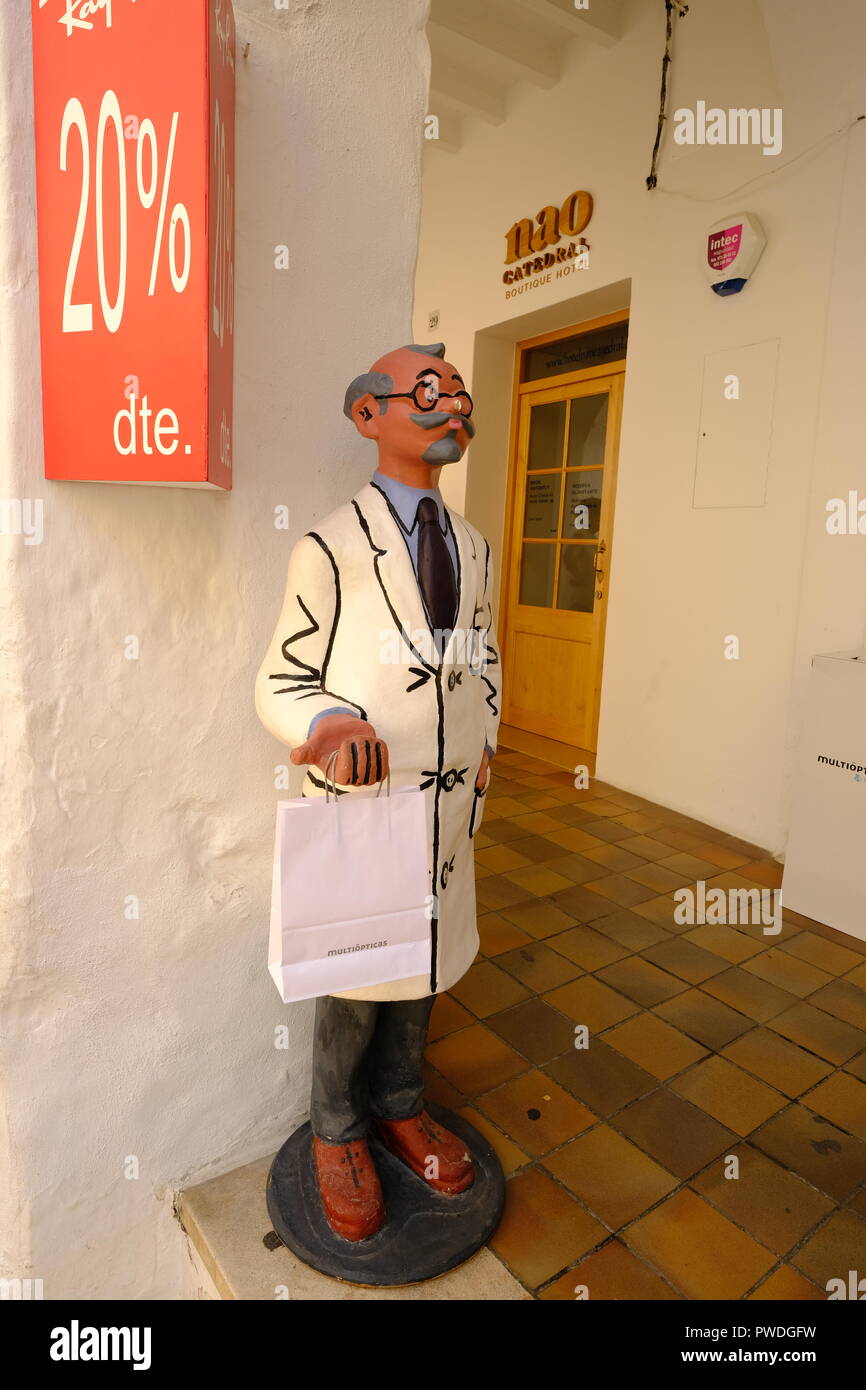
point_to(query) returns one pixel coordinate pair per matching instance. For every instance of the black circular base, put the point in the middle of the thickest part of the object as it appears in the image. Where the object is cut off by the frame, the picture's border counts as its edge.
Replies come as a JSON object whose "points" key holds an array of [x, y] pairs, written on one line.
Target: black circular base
{"points": [[424, 1232]]}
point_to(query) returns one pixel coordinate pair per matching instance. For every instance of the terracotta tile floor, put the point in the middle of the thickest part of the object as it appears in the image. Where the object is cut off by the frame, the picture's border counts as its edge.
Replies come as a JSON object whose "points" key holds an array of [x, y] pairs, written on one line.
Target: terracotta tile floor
{"points": [[712, 1050]]}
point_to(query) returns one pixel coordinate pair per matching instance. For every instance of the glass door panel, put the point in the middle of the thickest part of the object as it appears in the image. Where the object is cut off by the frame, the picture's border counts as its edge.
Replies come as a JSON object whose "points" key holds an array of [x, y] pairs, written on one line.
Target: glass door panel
{"points": [[541, 512], [576, 588], [546, 435], [582, 512], [562, 502], [586, 430], [537, 572]]}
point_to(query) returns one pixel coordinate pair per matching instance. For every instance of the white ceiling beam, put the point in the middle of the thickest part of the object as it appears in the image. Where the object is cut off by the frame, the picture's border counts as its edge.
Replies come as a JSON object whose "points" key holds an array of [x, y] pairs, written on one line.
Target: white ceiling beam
{"points": [[600, 22], [459, 87], [500, 30], [450, 129]]}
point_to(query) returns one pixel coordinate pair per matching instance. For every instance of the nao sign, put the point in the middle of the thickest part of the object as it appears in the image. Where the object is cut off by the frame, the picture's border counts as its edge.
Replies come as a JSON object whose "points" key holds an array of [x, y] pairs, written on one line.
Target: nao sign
{"points": [[529, 243], [135, 192]]}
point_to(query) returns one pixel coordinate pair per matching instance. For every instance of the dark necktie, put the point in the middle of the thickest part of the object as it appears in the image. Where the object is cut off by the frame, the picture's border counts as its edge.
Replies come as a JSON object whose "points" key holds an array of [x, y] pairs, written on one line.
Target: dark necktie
{"points": [[435, 570]]}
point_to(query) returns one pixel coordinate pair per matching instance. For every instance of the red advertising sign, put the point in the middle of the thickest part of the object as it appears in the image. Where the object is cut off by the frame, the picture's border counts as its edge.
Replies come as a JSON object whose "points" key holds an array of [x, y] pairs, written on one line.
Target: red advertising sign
{"points": [[135, 191]]}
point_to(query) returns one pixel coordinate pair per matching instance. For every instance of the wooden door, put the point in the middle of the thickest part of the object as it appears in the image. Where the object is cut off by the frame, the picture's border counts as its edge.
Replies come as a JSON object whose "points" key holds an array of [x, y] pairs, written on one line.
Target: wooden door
{"points": [[561, 524]]}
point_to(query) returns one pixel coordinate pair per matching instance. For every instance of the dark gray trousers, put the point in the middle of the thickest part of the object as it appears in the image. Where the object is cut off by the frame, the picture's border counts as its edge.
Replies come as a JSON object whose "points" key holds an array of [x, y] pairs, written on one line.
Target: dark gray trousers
{"points": [[367, 1060]]}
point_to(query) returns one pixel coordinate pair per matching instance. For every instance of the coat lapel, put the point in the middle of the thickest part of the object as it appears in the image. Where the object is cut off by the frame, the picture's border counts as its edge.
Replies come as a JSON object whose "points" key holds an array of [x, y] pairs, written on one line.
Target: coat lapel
{"points": [[393, 565], [465, 588]]}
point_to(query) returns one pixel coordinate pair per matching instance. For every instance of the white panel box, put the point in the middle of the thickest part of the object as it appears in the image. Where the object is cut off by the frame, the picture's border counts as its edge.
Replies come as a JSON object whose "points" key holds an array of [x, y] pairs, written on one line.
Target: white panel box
{"points": [[824, 865], [737, 401]]}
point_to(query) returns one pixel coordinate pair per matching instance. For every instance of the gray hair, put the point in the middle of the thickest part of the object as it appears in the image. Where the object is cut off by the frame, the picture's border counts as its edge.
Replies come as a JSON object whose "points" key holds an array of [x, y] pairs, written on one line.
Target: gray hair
{"points": [[380, 383], [368, 384], [428, 349]]}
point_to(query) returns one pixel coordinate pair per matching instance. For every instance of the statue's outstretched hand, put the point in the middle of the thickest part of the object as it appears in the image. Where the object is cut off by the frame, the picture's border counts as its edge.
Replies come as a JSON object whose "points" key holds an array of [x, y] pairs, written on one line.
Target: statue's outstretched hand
{"points": [[362, 758]]}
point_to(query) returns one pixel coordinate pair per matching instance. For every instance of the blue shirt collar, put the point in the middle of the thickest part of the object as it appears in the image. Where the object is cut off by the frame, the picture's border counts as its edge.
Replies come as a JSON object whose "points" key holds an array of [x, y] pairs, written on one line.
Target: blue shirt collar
{"points": [[404, 499]]}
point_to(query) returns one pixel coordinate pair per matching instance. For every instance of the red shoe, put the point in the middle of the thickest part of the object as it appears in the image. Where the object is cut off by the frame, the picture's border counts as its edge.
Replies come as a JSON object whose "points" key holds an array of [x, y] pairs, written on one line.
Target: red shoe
{"points": [[431, 1151], [349, 1187]]}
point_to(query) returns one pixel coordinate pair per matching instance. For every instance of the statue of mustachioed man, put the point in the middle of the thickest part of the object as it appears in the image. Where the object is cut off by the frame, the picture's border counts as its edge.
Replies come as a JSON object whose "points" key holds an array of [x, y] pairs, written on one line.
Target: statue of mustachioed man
{"points": [[393, 564]]}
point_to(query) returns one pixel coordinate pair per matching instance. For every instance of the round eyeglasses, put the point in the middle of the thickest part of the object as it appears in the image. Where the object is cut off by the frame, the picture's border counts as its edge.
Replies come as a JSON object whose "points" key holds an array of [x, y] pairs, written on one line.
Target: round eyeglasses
{"points": [[427, 396]]}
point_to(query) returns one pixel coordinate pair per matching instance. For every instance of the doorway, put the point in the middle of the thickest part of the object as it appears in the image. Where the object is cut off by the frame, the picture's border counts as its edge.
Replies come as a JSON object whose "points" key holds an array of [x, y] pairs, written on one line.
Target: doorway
{"points": [[559, 531]]}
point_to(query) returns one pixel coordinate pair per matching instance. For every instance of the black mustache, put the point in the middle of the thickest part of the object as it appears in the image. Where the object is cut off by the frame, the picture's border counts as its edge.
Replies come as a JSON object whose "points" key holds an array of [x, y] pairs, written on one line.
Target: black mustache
{"points": [[430, 419]]}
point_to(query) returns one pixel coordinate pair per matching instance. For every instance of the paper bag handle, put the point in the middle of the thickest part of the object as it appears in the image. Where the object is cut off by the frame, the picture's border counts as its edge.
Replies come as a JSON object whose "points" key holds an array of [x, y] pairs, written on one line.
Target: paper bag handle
{"points": [[331, 782]]}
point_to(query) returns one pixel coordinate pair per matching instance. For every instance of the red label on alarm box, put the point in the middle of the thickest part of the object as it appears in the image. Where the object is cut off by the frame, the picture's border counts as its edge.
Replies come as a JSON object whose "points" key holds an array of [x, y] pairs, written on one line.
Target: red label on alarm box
{"points": [[135, 192], [723, 247]]}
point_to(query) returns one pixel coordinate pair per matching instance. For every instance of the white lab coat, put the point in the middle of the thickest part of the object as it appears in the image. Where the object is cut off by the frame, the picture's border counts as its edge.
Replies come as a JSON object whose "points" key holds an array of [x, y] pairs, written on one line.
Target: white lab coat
{"points": [[353, 631]]}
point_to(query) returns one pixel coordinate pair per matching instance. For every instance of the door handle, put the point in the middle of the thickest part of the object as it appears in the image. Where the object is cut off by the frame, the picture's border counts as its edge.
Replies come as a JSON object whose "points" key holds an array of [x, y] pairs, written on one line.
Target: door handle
{"points": [[597, 566]]}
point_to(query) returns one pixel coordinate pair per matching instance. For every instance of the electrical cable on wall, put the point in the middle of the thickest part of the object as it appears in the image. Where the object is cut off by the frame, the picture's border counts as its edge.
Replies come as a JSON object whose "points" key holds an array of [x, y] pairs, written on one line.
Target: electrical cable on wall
{"points": [[674, 9], [823, 143]]}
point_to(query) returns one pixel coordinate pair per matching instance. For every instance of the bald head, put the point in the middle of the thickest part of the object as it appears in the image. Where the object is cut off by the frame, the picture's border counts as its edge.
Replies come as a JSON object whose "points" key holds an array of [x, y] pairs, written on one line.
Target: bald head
{"points": [[379, 381]]}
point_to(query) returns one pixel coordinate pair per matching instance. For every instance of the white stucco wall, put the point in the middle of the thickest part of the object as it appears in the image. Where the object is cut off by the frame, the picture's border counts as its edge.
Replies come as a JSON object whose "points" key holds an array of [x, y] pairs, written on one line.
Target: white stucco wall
{"points": [[155, 1038], [679, 723]]}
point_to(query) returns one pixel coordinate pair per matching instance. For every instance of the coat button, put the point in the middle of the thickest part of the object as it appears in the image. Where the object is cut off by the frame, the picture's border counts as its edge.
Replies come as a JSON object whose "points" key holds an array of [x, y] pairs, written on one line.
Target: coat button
{"points": [[452, 681]]}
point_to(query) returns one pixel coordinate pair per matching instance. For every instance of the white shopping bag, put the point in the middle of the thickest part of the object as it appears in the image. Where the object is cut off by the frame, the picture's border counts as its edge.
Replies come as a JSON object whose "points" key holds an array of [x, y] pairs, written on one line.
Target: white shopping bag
{"points": [[349, 906]]}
